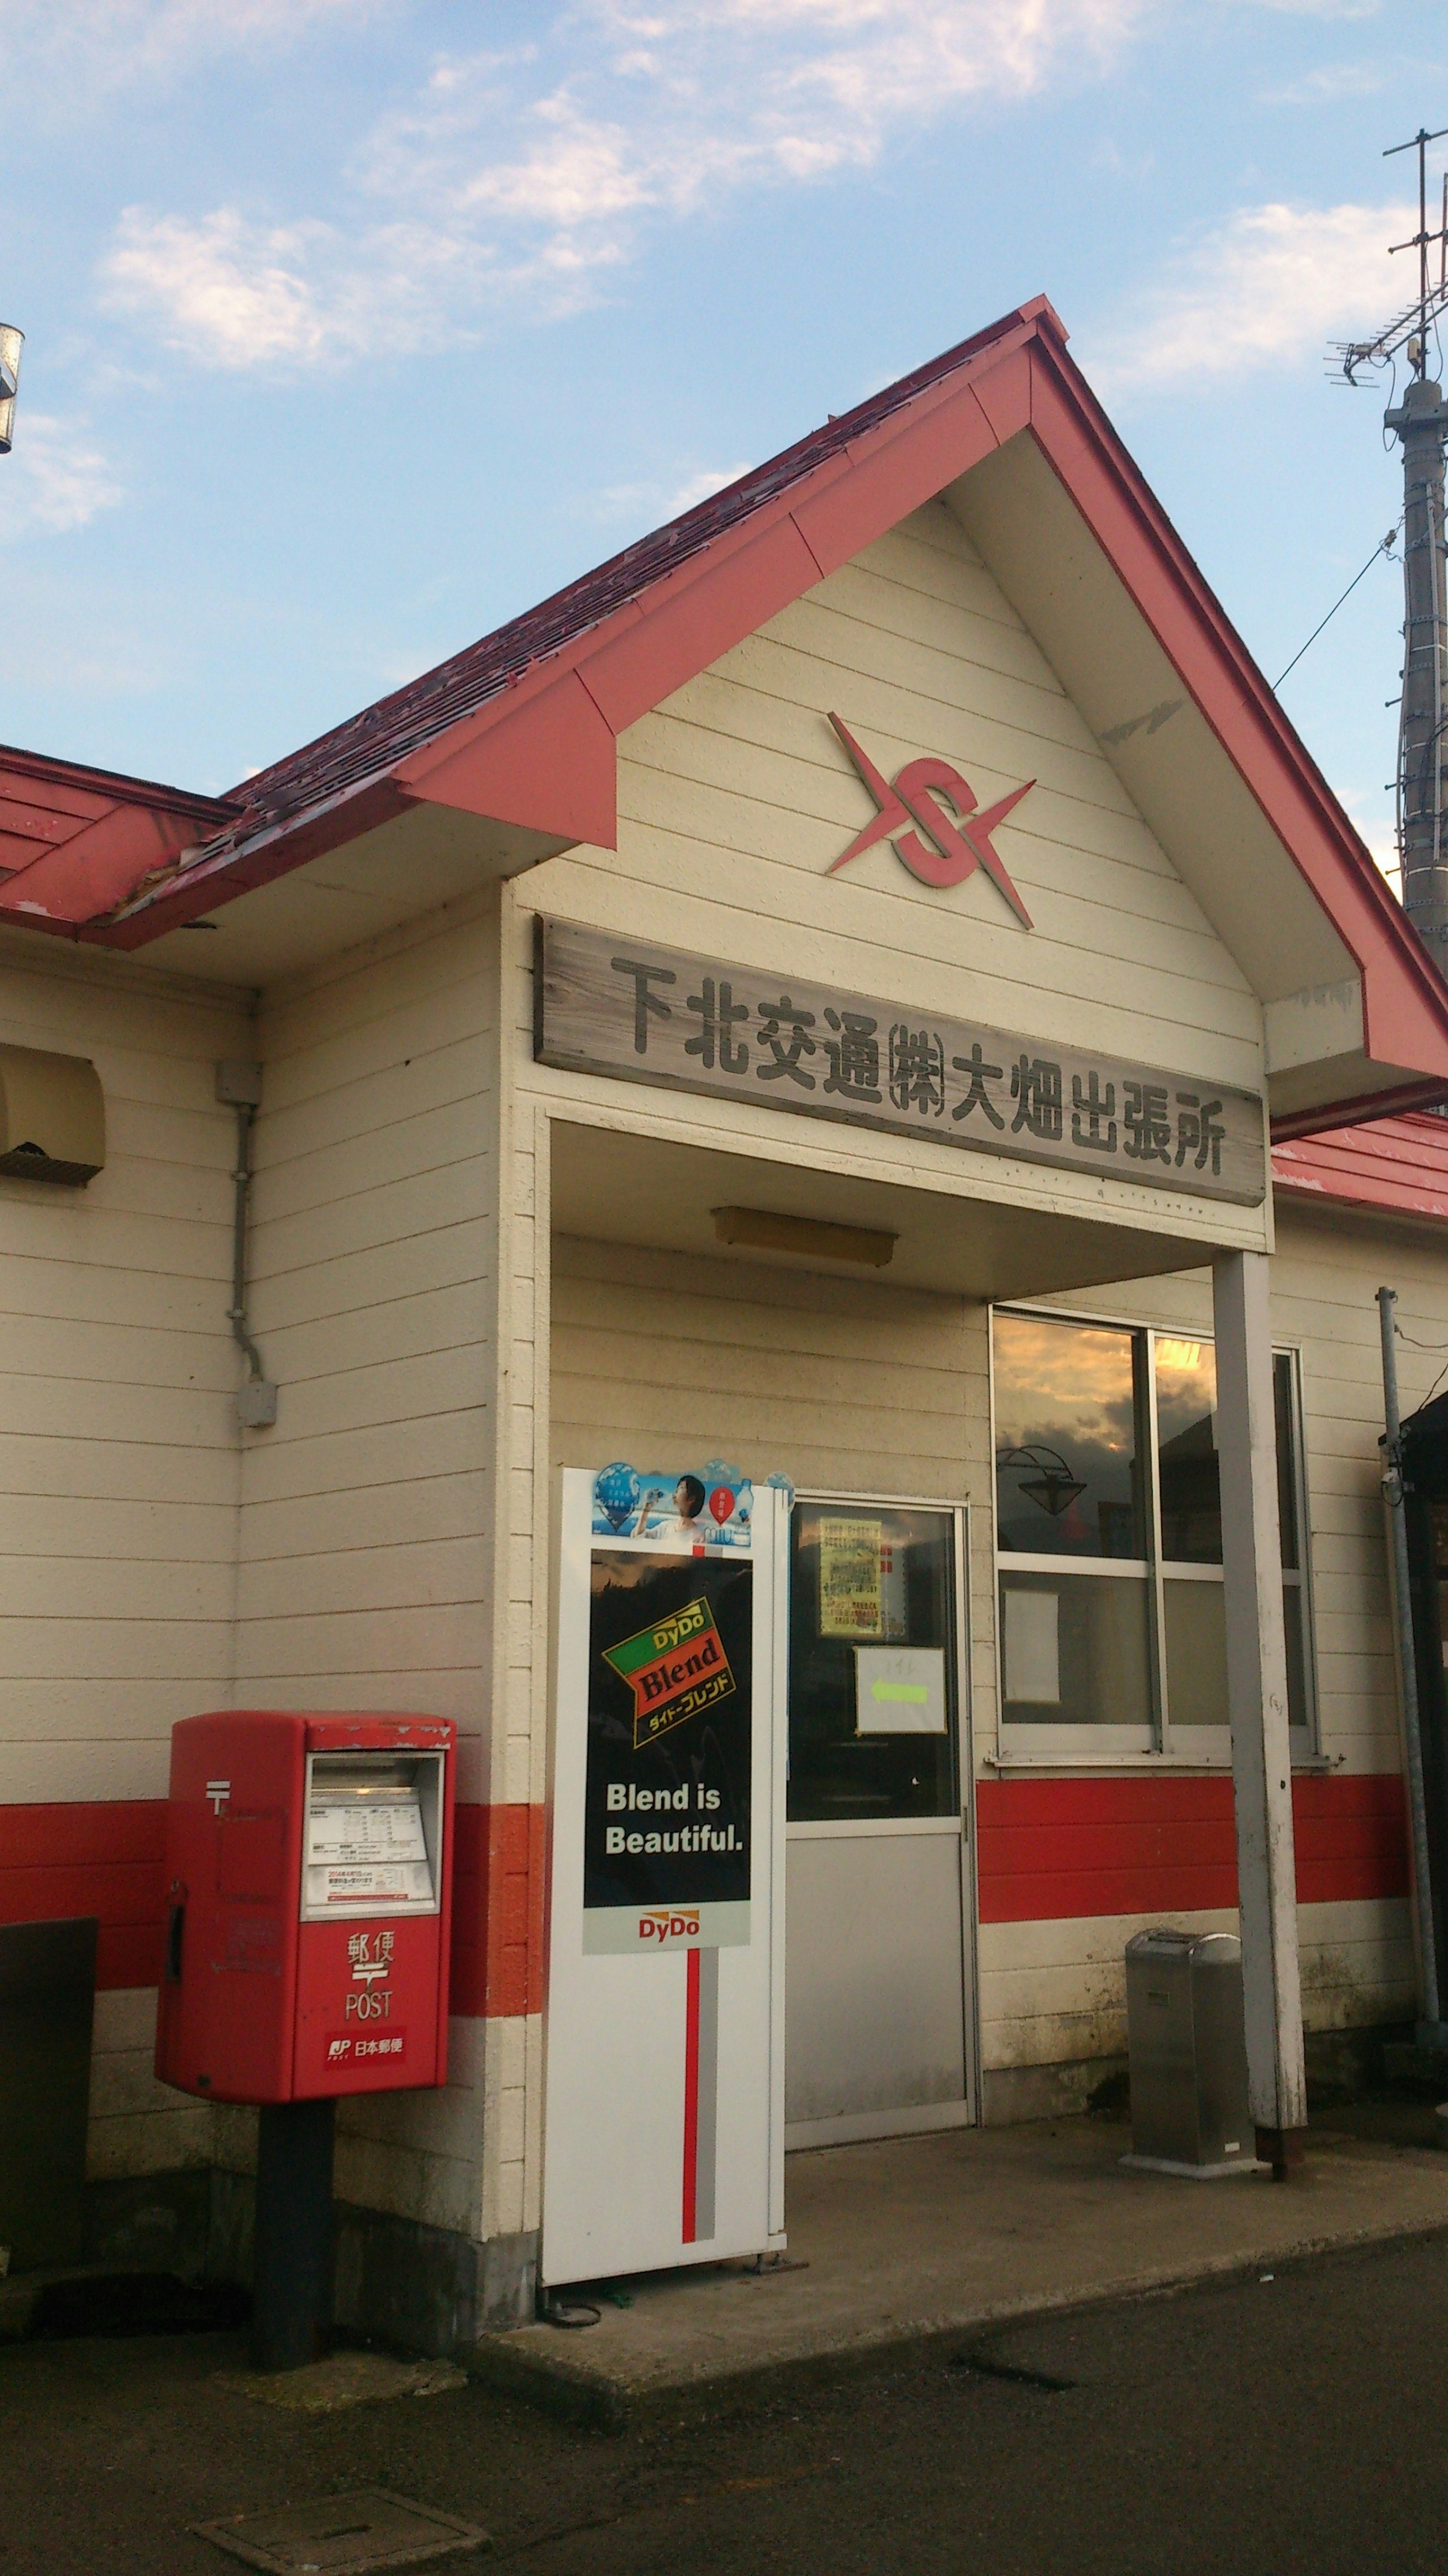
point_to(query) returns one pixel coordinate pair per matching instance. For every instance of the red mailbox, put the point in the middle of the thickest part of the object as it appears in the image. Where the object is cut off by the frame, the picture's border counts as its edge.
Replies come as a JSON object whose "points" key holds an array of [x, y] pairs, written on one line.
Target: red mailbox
{"points": [[309, 1861]]}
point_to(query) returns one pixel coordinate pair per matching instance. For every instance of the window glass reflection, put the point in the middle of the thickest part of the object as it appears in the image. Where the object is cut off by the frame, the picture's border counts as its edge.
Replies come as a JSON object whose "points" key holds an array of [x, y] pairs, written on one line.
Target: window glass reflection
{"points": [[1068, 1473], [1286, 1457], [1292, 1620], [1186, 1430], [1074, 1458]]}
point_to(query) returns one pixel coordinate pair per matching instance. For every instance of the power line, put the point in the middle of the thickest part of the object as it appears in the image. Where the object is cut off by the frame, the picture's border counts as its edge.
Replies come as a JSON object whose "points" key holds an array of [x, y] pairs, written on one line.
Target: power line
{"points": [[1383, 547]]}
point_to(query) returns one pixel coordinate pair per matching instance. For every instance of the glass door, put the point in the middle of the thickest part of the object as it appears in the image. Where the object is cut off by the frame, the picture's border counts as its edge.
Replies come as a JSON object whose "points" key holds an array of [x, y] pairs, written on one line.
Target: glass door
{"points": [[876, 1968]]}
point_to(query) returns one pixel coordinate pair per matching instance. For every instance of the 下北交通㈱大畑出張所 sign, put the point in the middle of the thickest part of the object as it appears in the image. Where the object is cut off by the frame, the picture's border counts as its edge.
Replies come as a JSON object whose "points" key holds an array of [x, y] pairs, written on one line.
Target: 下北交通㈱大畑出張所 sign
{"points": [[660, 1015]]}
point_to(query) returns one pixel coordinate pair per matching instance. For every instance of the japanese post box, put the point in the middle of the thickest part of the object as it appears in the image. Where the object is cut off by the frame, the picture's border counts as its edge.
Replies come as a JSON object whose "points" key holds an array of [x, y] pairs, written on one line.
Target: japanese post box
{"points": [[309, 1870]]}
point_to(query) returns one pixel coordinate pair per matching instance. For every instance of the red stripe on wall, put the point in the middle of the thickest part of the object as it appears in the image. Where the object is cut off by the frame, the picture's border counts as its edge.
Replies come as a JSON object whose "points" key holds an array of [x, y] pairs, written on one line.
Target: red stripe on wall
{"points": [[1045, 1849], [497, 1929], [1051, 1849], [104, 1859], [108, 1859]]}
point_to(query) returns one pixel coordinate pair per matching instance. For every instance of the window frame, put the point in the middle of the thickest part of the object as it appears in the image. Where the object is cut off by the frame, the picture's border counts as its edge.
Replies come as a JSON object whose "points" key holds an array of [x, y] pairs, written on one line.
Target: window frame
{"points": [[1028, 1745]]}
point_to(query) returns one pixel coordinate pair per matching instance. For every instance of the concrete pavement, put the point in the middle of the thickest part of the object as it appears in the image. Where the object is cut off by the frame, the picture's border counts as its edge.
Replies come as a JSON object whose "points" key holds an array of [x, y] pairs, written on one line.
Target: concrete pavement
{"points": [[1287, 2429], [911, 2239]]}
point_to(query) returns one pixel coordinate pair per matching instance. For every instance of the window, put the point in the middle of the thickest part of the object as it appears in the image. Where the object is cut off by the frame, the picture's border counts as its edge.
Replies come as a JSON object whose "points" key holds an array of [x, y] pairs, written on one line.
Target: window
{"points": [[1109, 1539]]}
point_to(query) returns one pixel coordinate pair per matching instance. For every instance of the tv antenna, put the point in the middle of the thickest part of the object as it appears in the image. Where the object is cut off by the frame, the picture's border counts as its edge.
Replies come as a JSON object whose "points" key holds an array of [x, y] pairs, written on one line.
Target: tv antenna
{"points": [[1420, 420]]}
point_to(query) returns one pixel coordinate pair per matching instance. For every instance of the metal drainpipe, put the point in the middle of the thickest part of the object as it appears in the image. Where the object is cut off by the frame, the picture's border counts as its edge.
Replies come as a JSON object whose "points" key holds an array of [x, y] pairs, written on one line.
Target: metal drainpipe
{"points": [[239, 1085], [1430, 2029]]}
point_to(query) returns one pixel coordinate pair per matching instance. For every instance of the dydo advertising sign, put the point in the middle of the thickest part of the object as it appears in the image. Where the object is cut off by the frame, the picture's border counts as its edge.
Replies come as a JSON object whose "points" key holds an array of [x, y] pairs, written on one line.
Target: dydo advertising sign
{"points": [[664, 2097]]}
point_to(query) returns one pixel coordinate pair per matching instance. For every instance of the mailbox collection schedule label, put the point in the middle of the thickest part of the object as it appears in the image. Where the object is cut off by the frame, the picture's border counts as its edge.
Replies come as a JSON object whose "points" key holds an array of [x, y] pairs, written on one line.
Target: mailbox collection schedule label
{"points": [[367, 1849]]}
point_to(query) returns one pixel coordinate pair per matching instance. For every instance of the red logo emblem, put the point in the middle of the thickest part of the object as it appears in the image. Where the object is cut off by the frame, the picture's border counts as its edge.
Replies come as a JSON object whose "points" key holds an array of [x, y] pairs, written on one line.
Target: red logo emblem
{"points": [[960, 845]]}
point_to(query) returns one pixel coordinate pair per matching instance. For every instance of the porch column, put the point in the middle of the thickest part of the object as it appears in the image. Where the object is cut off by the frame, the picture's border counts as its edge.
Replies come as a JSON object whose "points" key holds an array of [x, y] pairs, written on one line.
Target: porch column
{"points": [[1257, 1705]]}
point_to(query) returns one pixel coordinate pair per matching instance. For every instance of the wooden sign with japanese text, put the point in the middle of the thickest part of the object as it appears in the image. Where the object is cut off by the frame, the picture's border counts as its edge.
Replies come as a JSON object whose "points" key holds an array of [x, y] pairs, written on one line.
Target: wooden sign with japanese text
{"points": [[642, 1013]]}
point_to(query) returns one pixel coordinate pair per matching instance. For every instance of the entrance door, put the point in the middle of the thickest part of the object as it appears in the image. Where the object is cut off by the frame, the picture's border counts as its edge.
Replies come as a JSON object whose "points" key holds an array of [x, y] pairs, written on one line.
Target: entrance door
{"points": [[877, 1969]]}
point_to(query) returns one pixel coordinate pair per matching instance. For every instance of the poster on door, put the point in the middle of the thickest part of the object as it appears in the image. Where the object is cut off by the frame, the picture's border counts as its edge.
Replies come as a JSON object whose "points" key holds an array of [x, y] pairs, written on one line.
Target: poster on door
{"points": [[862, 1579], [666, 1842]]}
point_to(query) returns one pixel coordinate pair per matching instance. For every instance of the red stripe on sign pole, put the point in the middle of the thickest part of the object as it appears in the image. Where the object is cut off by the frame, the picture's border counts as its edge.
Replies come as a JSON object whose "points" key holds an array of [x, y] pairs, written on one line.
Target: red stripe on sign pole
{"points": [[691, 2095]]}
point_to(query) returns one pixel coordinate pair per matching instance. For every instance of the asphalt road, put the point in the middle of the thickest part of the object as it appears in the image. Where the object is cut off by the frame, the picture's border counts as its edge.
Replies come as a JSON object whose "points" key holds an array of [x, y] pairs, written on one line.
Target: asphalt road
{"points": [[1296, 2426]]}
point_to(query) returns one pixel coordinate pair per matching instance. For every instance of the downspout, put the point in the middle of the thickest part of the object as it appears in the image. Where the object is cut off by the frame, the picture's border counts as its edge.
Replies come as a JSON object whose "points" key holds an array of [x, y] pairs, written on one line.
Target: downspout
{"points": [[1430, 2028], [238, 1085]]}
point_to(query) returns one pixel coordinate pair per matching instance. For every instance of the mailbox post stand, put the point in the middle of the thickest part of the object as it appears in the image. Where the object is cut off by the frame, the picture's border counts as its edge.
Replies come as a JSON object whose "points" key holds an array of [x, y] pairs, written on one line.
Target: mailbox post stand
{"points": [[292, 2293]]}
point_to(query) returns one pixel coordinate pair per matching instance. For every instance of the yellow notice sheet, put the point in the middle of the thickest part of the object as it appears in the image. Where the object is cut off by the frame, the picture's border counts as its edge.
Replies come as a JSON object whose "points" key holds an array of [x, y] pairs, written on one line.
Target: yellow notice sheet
{"points": [[850, 1577]]}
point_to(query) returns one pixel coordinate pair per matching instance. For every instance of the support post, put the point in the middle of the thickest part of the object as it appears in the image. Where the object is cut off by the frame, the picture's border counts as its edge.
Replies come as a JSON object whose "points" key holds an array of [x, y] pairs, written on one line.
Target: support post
{"points": [[1257, 1706], [292, 2269]]}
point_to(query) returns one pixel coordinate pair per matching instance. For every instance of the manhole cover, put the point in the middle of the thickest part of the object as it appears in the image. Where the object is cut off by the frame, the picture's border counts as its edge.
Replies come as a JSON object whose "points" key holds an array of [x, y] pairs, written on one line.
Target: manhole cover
{"points": [[343, 2535]]}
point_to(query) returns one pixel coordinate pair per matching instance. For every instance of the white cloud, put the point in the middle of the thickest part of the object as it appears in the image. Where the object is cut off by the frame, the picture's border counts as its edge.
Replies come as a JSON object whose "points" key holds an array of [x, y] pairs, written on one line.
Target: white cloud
{"points": [[652, 504], [54, 479], [1377, 829], [1328, 84], [235, 291], [1271, 288], [527, 177], [697, 487]]}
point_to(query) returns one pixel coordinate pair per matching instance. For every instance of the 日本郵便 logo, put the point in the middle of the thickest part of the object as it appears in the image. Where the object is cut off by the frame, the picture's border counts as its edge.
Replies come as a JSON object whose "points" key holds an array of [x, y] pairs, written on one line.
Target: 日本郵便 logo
{"points": [[955, 846]]}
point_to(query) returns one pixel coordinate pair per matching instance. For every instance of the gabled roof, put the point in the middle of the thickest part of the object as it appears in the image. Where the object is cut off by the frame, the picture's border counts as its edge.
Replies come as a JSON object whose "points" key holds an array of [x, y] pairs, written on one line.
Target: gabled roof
{"points": [[602, 651], [414, 716], [521, 729]]}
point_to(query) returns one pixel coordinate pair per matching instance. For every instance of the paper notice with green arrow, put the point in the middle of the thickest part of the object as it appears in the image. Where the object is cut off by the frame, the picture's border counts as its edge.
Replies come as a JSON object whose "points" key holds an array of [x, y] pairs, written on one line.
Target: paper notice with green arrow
{"points": [[899, 1690]]}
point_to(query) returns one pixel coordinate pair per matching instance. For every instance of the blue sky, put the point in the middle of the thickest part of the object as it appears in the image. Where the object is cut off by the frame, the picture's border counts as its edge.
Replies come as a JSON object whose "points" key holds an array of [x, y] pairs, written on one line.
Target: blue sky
{"points": [[354, 326]]}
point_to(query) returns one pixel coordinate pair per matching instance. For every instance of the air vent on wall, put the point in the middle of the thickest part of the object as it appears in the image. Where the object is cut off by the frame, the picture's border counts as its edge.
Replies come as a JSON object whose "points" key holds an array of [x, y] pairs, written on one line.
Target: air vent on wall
{"points": [[52, 1117]]}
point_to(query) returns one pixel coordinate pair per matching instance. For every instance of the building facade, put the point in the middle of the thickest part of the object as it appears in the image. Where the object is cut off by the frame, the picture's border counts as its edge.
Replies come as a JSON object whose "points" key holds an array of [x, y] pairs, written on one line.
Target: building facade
{"points": [[867, 987]]}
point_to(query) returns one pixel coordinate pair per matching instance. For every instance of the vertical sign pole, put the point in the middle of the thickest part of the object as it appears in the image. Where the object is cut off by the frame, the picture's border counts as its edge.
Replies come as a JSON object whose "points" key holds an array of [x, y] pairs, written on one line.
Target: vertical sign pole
{"points": [[691, 2097], [1257, 1707]]}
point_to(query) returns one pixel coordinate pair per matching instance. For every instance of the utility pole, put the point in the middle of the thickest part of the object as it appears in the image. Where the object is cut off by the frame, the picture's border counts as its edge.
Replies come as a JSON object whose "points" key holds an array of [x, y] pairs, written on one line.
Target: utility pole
{"points": [[1420, 422]]}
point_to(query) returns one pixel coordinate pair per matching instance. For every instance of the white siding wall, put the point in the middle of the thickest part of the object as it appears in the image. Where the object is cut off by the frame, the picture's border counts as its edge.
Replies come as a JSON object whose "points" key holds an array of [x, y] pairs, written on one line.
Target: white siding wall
{"points": [[117, 1435], [735, 797], [365, 1575], [118, 1445], [1054, 1993], [838, 1383], [1324, 1279]]}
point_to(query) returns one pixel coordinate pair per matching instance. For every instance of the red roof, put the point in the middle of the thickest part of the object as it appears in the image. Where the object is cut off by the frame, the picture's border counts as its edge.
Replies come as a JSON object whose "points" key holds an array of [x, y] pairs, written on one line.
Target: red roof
{"points": [[74, 839], [1394, 1166]]}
